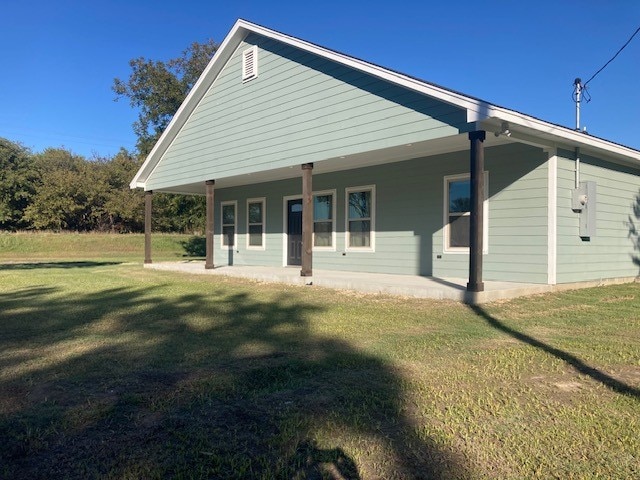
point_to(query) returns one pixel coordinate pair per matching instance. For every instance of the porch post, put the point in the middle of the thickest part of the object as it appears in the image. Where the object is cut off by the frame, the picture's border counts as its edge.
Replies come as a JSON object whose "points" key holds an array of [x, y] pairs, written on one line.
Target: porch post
{"points": [[307, 221], [148, 195], [476, 227], [209, 185]]}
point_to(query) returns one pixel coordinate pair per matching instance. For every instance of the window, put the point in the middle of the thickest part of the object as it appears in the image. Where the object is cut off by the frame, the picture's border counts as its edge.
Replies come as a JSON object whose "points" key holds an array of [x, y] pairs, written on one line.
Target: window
{"points": [[360, 217], [458, 213], [323, 220], [255, 223], [459, 193], [250, 63], [228, 224]]}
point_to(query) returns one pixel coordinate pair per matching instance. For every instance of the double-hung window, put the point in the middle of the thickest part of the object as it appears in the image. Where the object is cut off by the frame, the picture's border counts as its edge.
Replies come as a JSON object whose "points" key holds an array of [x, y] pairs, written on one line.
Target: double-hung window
{"points": [[360, 217], [255, 223], [228, 224], [323, 220], [457, 214]]}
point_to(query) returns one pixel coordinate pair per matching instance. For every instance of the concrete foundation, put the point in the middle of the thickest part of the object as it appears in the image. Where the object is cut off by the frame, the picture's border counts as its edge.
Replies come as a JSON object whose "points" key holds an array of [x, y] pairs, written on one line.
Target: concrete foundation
{"points": [[402, 285]]}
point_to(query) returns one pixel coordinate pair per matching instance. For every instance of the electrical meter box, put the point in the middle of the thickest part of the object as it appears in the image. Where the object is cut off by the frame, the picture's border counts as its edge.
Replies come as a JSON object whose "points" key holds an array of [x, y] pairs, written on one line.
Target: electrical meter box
{"points": [[583, 201]]}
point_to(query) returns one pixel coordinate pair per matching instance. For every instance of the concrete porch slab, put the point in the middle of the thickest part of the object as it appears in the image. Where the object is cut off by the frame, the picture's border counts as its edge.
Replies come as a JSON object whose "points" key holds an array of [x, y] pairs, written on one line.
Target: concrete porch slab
{"points": [[403, 285]]}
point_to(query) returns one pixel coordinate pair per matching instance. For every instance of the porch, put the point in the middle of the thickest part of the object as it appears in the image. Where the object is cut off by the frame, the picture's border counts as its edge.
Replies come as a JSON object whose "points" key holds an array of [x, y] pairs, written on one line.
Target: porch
{"points": [[399, 181], [403, 285]]}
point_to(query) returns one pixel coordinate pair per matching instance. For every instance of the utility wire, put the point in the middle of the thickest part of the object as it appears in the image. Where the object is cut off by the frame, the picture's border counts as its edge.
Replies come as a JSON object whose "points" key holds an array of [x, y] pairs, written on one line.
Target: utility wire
{"points": [[613, 58], [584, 93]]}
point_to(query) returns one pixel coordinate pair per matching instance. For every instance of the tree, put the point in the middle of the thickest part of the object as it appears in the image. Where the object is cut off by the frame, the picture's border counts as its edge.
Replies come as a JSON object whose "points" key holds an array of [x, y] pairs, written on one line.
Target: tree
{"points": [[121, 210], [179, 213], [158, 88], [68, 189], [58, 190], [17, 184]]}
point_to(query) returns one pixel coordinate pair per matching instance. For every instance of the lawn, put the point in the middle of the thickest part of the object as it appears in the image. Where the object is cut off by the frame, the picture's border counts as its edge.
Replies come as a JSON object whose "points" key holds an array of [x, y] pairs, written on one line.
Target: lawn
{"points": [[30, 246], [108, 370]]}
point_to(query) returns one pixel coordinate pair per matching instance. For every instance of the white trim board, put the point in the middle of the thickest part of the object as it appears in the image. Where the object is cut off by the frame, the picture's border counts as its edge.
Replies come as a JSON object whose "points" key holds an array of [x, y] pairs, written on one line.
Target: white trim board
{"points": [[235, 225], [446, 250], [552, 218], [372, 220], [263, 245]]}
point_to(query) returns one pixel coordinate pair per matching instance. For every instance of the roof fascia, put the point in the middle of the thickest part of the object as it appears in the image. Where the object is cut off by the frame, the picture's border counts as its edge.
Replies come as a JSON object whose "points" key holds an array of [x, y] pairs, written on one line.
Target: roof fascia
{"points": [[566, 136], [202, 85]]}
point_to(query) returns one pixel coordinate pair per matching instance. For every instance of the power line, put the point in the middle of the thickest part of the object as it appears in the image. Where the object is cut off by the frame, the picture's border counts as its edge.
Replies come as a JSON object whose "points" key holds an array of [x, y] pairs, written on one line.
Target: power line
{"points": [[613, 58]]}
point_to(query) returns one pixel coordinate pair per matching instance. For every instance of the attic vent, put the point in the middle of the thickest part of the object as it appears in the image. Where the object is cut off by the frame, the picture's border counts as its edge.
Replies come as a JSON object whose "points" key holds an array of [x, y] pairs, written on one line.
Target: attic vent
{"points": [[250, 63]]}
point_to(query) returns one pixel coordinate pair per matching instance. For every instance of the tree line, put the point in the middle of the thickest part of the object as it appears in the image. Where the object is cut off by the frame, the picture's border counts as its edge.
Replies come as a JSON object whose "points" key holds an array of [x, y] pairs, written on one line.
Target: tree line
{"points": [[58, 190]]}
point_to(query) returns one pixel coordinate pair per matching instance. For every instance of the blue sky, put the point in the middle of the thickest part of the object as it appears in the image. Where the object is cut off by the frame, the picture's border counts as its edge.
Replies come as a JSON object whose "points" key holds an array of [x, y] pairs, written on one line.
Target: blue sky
{"points": [[59, 58]]}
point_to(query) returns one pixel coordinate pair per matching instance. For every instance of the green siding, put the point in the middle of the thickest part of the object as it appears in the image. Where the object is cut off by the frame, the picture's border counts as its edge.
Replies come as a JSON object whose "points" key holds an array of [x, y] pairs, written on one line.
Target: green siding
{"points": [[301, 108], [409, 217], [241, 255], [610, 253], [517, 223]]}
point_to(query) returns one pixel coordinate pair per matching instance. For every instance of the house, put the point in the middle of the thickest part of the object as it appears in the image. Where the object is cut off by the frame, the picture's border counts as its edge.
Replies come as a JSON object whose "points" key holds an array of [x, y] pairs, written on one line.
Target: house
{"points": [[309, 157]]}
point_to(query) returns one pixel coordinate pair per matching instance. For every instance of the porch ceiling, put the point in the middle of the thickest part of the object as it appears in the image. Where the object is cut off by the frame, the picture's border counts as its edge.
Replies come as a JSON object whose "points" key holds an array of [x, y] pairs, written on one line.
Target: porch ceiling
{"points": [[392, 154]]}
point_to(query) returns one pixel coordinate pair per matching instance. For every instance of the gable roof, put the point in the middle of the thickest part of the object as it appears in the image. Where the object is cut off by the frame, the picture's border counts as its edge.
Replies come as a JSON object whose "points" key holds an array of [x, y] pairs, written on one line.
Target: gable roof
{"points": [[477, 110]]}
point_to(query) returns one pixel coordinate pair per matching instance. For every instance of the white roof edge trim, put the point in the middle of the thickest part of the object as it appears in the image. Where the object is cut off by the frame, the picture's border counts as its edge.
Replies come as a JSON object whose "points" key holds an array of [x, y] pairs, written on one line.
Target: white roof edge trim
{"points": [[476, 109], [564, 132], [173, 124]]}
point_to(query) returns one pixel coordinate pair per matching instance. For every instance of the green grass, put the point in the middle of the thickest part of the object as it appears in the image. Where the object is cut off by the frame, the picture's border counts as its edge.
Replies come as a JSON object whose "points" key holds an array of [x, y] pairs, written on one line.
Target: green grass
{"points": [[113, 371], [27, 246]]}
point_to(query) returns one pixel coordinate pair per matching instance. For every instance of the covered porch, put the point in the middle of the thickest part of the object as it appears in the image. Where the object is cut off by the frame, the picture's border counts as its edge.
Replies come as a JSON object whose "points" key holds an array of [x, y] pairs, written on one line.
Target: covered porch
{"points": [[471, 143], [372, 283]]}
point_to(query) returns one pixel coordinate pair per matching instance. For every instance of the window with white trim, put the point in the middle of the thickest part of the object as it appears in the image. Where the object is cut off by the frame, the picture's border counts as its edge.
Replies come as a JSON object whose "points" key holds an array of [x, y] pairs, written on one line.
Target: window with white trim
{"points": [[256, 223], [250, 63], [360, 217], [324, 220], [228, 210], [457, 213]]}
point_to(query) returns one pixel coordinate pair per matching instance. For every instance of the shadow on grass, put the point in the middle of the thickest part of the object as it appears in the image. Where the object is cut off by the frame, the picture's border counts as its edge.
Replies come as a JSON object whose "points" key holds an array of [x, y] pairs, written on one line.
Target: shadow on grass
{"points": [[141, 382], [63, 264], [308, 461], [195, 246], [581, 367]]}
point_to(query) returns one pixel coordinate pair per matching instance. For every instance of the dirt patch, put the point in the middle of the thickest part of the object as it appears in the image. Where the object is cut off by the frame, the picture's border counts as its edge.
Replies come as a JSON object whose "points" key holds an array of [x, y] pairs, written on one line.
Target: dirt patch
{"points": [[541, 332], [54, 392], [568, 386], [617, 298], [420, 330], [497, 342], [150, 420], [629, 375], [518, 312], [563, 387], [12, 399]]}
